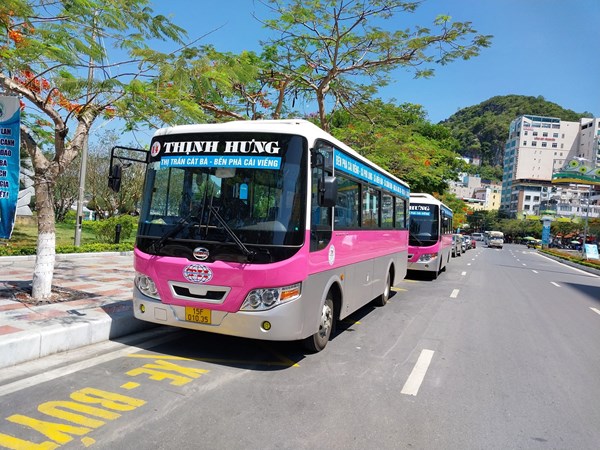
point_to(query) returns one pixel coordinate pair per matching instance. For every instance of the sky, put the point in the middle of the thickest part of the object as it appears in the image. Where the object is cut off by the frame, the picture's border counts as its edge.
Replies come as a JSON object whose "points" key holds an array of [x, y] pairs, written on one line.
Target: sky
{"points": [[547, 48]]}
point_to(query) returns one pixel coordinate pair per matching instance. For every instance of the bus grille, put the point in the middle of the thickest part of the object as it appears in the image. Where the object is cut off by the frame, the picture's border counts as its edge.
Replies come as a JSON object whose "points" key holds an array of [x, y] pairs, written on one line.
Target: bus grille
{"points": [[201, 293]]}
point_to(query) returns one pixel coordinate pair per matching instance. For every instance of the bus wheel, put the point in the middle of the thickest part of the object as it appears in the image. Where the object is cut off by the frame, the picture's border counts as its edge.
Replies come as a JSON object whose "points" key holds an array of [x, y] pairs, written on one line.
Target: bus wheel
{"points": [[435, 274], [318, 341], [385, 296]]}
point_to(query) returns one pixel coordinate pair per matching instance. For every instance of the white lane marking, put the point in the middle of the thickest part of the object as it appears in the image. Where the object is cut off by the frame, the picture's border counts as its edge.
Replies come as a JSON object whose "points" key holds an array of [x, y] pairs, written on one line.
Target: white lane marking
{"points": [[76, 367], [468, 264], [597, 311], [524, 264], [535, 271], [555, 284], [454, 293], [413, 383], [589, 274], [463, 273]]}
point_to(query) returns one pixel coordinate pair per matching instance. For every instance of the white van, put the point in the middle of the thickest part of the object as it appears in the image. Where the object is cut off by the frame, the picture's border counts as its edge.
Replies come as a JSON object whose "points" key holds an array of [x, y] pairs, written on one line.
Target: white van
{"points": [[477, 236]]}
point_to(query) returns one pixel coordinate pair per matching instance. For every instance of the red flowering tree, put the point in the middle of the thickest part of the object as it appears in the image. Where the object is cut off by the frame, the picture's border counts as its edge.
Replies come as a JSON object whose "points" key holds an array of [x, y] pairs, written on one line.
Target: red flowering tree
{"points": [[55, 56]]}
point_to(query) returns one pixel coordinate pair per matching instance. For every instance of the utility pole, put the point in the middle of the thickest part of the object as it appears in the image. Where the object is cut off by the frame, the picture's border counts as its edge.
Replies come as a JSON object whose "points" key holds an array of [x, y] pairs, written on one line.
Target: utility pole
{"points": [[84, 154]]}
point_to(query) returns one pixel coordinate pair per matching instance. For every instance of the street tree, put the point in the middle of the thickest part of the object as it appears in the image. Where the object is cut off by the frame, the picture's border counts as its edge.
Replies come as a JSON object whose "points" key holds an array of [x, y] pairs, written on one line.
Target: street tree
{"points": [[337, 48], [103, 200], [54, 56], [66, 190], [200, 83], [402, 142]]}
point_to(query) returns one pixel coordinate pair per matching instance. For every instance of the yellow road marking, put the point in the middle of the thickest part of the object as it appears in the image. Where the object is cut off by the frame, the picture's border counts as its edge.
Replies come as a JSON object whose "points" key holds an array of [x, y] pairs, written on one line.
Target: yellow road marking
{"points": [[242, 362], [130, 385], [87, 441]]}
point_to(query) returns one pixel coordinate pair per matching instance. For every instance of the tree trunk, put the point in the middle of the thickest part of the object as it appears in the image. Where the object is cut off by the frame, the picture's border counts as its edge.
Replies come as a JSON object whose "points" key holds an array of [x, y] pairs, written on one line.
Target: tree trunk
{"points": [[43, 270]]}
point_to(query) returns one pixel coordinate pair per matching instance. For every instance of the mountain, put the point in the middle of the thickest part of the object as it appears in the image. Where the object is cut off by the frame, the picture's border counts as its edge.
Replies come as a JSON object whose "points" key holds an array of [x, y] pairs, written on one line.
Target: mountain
{"points": [[482, 129]]}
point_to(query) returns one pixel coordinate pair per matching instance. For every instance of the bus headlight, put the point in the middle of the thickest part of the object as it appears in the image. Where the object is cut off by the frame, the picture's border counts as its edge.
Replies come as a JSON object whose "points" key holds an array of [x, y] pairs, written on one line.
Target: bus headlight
{"points": [[426, 257], [146, 286], [263, 299]]}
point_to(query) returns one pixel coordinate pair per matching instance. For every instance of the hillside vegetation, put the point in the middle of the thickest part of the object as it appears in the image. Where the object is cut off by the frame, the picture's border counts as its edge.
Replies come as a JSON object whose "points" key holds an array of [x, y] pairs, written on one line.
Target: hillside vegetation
{"points": [[482, 129]]}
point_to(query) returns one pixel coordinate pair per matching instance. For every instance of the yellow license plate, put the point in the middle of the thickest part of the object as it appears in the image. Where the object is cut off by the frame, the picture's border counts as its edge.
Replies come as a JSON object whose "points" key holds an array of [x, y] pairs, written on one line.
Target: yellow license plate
{"points": [[198, 315]]}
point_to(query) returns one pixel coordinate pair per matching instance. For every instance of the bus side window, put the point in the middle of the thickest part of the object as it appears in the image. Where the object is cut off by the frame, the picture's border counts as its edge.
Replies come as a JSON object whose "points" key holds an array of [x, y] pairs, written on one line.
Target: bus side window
{"points": [[320, 217]]}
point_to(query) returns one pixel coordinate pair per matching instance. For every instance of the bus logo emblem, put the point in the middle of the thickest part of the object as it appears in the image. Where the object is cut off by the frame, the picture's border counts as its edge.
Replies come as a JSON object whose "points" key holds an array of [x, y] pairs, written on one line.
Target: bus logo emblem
{"points": [[201, 253], [155, 150], [197, 273]]}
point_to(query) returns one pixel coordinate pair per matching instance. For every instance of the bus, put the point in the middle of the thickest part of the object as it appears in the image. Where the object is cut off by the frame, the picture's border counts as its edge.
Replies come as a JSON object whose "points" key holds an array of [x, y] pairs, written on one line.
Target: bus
{"points": [[269, 229], [430, 237], [495, 239]]}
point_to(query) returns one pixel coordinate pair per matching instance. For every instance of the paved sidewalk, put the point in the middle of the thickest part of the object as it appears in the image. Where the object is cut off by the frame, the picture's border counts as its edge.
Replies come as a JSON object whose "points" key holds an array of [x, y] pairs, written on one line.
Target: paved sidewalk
{"points": [[100, 288]]}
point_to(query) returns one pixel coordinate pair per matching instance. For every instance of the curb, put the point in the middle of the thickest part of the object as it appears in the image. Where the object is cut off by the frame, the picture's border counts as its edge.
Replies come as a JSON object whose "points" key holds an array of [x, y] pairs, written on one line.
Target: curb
{"points": [[115, 321], [571, 264], [63, 256]]}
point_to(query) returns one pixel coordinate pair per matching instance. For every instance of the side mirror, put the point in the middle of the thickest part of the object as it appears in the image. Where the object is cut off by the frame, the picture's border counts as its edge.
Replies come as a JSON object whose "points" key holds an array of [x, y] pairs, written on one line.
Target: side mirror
{"points": [[327, 191], [114, 177]]}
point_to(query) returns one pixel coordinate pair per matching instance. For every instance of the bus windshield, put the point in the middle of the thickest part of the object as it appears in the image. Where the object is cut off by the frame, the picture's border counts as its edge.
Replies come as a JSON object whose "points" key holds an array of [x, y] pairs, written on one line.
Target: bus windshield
{"points": [[424, 224], [240, 199]]}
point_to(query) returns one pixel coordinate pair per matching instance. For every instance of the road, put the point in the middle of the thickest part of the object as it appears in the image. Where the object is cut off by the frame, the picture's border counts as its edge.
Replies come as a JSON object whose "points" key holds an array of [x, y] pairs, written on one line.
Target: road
{"points": [[502, 351]]}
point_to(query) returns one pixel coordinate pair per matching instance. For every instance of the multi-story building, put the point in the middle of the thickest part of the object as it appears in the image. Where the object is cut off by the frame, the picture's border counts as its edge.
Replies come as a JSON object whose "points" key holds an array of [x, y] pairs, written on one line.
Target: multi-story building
{"points": [[489, 196], [536, 148]]}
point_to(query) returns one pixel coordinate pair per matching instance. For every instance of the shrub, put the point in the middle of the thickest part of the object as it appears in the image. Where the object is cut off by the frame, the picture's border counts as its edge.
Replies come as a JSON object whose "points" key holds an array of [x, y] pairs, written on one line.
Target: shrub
{"points": [[105, 230], [85, 248]]}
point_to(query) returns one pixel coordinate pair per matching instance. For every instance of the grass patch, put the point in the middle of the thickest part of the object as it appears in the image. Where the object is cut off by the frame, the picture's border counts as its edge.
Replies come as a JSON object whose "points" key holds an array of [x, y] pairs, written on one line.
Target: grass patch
{"points": [[24, 239]]}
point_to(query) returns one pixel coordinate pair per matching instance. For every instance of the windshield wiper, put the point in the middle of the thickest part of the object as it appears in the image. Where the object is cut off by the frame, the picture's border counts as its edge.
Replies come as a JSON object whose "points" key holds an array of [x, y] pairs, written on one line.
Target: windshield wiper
{"points": [[249, 254], [415, 238], [181, 224]]}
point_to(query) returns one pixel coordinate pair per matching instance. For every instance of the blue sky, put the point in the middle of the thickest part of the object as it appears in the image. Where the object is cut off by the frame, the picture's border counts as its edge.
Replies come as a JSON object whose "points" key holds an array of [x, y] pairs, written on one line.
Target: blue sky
{"points": [[540, 47]]}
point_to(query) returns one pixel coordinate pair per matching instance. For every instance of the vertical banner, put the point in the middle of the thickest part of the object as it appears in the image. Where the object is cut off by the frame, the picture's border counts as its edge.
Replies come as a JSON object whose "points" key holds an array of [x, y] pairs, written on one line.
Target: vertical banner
{"points": [[10, 117]]}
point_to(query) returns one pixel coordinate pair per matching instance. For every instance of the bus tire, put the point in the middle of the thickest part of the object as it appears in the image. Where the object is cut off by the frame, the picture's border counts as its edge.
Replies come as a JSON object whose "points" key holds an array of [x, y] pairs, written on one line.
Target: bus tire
{"points": [[385, 296], [318, 341], [435, 273]]}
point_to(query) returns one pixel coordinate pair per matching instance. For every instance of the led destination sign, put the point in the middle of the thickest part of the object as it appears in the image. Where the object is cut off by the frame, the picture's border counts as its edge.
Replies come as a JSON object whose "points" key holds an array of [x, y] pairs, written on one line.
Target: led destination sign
{"points": [[252, 153]]}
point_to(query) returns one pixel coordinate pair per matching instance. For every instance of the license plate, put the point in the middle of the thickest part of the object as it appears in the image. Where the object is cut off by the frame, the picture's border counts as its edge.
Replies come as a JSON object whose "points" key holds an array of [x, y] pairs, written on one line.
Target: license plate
{"points": [[198, 315]]}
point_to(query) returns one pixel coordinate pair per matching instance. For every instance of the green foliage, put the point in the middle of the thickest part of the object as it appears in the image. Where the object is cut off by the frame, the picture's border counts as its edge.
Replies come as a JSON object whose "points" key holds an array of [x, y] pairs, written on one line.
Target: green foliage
{"points": [[105, 230], [399, 139], [323, 47], [482, 129], [577, 259]]}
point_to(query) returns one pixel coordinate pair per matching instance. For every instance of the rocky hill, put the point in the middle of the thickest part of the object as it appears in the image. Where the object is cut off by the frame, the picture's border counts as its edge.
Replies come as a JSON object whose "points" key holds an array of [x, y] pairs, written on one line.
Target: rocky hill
{"points": [[482, 129]]}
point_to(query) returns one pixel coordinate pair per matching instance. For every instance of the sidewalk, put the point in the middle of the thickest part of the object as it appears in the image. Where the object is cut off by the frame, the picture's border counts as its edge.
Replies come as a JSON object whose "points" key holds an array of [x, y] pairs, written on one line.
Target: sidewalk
{"points": [[98, 287]]}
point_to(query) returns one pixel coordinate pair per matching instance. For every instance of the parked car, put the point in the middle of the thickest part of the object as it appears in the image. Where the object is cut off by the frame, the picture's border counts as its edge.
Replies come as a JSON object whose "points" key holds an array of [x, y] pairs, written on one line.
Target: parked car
{"points": [[467, 240], [478, 236], [456, 245]]}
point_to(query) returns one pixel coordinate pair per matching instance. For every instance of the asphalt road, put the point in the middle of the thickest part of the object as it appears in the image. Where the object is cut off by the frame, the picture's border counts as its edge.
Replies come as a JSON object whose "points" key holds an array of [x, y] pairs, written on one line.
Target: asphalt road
{"points": [[502, 351]]}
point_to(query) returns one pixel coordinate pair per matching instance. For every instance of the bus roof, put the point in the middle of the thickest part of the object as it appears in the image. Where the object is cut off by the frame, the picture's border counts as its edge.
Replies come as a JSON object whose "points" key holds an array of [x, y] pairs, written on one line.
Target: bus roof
{"points": [[423, 197], [285, 126]]}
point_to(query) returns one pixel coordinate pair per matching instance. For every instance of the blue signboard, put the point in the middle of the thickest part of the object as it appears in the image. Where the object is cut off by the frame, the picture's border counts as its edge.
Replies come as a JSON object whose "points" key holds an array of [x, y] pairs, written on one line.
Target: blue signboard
{"points": [[252, 162], [346, 164], [546, 234], [10, 117], [591, 251]]}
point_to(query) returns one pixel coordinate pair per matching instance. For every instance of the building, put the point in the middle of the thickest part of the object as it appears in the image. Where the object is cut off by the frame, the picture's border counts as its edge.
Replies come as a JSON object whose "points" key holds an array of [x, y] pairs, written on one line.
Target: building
{"points": [[489, 195], [536, 148]]}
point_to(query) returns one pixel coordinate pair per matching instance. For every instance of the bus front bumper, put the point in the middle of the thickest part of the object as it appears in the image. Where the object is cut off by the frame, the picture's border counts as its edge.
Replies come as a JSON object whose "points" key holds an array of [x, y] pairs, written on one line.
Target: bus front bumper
{"points": [[282, 323]]}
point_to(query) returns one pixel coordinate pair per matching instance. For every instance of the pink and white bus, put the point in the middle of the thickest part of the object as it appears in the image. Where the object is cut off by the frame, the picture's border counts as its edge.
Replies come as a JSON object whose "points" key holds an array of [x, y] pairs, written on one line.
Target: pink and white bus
{"points": [[430, 238], [268, 229]]}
